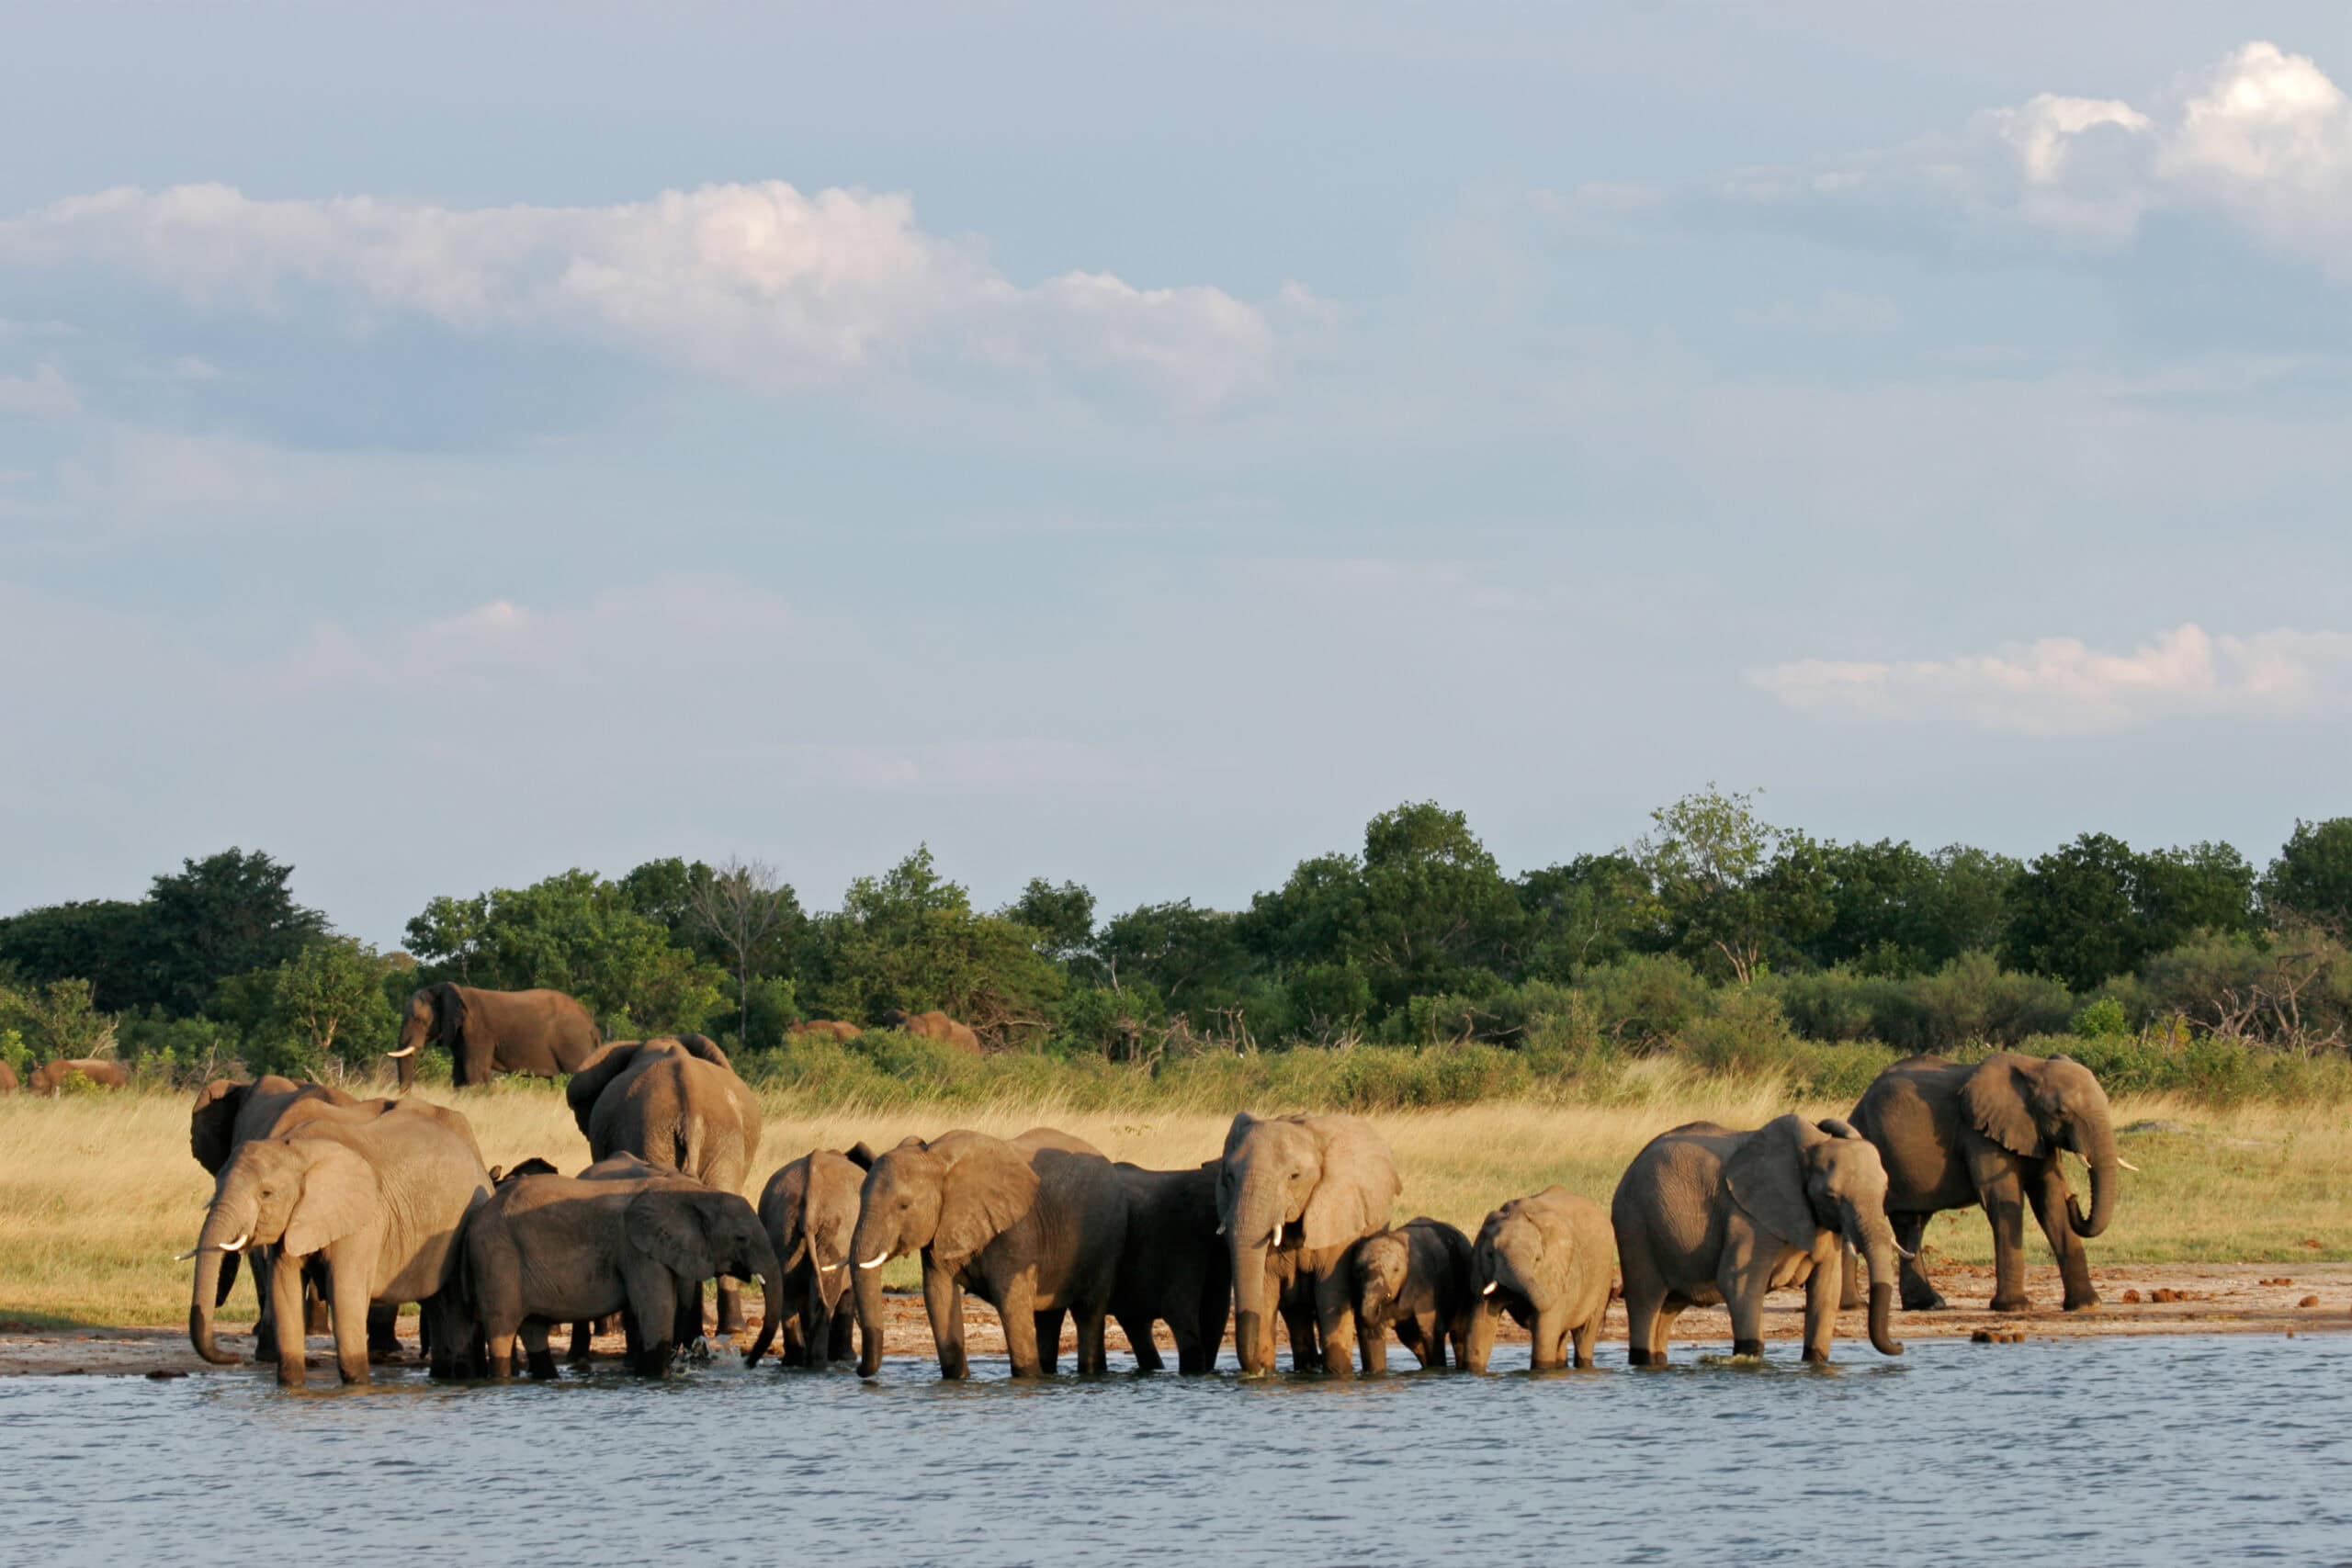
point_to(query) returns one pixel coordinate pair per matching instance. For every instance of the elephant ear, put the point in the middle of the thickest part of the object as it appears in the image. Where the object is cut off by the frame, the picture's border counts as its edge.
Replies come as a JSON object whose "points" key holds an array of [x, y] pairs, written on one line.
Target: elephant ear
{"points": [[704, 1046], [212, 1126], [448, 1013], [858, 1154], [1767, 1176], [595, 1075], [339, 1196], [988, 1189], [1358, 1184], [1994, 1096], [671, 1229]]}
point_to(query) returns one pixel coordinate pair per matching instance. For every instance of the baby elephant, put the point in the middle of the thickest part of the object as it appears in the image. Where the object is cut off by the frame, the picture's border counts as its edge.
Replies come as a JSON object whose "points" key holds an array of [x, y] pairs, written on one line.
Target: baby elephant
{"points": [[809, 1209], [1415, 1280], [1547, 1260], [545, 1249]]}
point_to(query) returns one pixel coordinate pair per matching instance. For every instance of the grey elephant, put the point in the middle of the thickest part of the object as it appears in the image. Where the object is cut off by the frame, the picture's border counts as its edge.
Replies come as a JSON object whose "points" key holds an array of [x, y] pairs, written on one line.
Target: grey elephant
{"points": [[229, 1113], [1293, 1194], [686, 1320], [1173, 1268], [1705, 1215], [809, 1209], [1032, 1225], [676, 1103], [1549, 1261], [1413, 1280], [1989, 1135], [543, 1034], [549, 1248], [377, 1202]]}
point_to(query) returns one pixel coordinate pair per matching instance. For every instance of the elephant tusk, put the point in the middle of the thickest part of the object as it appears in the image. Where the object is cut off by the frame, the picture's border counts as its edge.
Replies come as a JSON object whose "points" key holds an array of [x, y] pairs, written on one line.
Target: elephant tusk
{"points": [[1490, 1288], [405, 1051], [877, 1261], [184, 1256], [2127, 1165], [1220, 1228], [829, 1268], [238, 1245]]}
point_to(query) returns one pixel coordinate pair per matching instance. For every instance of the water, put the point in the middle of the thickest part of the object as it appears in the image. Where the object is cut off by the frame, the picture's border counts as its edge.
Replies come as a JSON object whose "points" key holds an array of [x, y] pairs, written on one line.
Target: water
{"points": [[2178, 1449]]}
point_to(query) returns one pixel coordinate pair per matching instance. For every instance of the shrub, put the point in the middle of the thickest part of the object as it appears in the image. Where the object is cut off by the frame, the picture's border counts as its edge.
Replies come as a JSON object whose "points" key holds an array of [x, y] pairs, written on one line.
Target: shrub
{"points": [[1646, 1000], [2099, 1018]]}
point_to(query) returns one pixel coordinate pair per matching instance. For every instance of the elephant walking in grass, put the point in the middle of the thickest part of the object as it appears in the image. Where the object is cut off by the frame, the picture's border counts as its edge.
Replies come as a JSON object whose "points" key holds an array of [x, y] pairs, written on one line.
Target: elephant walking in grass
{"points": [[1548, 1260], [1173, 1268], [809, 1210], [94, 1072], [1293, 1194], [676, 1104], [543, 1034], [377, 1202], [1032, 1225], [1705, 1215], [933, 1025], [1989, 1135], [1414, 1280]]}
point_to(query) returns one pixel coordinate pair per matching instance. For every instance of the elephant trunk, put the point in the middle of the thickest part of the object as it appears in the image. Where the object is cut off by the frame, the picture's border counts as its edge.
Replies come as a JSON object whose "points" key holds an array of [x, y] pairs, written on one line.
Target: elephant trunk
{"points": [[213, 1254], [869, 1248], [1254, 1329], [1874, 1238], [2106, 1165], [771, 1306]]}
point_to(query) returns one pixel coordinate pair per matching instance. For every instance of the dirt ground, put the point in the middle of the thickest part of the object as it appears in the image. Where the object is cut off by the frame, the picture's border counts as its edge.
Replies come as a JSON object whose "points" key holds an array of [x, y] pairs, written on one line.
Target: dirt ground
{"points": [[2172, 1298]]}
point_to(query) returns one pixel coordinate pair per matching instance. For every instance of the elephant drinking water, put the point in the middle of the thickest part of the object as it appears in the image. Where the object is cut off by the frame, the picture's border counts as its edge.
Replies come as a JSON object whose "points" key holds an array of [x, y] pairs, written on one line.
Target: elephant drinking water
{"points": [[1293, 1194]]}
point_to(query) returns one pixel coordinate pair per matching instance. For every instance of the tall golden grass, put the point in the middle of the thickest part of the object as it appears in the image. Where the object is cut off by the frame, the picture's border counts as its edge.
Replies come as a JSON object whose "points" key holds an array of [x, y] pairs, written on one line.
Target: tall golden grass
{"points": [[97, 1192]]}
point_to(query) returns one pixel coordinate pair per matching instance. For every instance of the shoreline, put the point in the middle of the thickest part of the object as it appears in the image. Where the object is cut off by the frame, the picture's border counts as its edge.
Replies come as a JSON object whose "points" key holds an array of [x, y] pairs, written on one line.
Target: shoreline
{"points": [[2201, 1299]]}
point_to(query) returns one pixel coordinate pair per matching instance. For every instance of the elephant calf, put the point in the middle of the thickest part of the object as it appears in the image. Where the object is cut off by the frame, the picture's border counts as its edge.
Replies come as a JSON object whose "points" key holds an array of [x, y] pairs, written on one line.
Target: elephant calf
{"points": [[1705, 1215], [1173, 1268], [1548, 1260], [808, 1209], [1414, 1280]]}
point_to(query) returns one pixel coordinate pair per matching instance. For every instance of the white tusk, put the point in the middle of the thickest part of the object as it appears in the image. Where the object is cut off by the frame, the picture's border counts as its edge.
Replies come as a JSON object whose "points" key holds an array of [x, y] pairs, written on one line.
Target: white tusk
{"points": [[238, 1245], [409, 1051], [829, 1268], [1489, 1289], [184, 1256], [877, 1261], [2127, 1165], [1220, 1228]]}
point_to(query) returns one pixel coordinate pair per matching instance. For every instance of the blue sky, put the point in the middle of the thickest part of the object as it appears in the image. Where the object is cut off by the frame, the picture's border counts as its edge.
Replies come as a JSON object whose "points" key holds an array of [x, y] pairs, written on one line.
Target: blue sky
{"points": [[1136, 444]]}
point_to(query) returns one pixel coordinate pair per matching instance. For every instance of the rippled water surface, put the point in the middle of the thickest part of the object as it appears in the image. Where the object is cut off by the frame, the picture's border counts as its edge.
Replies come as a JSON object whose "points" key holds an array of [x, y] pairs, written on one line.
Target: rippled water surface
{"points": [[2177, 1449]]}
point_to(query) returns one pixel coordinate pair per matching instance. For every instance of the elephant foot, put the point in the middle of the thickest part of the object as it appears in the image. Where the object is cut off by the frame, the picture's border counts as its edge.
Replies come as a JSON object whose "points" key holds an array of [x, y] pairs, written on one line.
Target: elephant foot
{"points": [[1748, 1349], [541, 1365], [1637, 1357], [1818, 1358], [2019, 1302], [382, 1355], [2087, 1302], [1927, 1301], [653, 1361]]}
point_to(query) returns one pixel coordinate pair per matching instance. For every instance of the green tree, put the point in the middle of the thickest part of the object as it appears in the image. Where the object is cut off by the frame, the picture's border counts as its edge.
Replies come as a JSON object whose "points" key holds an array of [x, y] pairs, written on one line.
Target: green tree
{"points": [[329, 1000], [97, 941], [2072, 913], [2179, 892], [1963, 908], [1597, 908], [1703, 855], [751, 917], [1063, 917], [2312, 877], [221, 916], [448, 935], [1195, 958], [58, 1019]]}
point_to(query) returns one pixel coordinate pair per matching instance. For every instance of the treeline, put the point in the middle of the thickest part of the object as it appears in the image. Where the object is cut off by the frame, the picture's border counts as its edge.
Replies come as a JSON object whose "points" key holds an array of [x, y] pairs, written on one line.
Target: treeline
{"points": [[1715, 936]]}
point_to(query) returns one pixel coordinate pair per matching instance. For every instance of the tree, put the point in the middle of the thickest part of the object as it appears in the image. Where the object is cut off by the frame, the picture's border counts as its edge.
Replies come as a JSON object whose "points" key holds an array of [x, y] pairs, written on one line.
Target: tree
{"points": [[1195, 958], [57, 1020], [1063, 917], [1963, 908], [744, 908], [97, 941], [1594, 909], [2177, 891], [2072, 913], [2312, 878], [449, 933], [1703, 855], [224, 915]]}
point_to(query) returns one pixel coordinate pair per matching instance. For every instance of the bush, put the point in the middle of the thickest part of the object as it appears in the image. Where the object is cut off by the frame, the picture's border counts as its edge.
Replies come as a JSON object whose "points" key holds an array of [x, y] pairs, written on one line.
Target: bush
{"points": [[2099, 1019], [1744, 1034], [1644, 1000]]}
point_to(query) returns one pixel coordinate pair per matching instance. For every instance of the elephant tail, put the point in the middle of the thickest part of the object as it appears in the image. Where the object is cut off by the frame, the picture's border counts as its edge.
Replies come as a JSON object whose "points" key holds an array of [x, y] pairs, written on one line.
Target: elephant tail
{"points": [[690, 1144]]}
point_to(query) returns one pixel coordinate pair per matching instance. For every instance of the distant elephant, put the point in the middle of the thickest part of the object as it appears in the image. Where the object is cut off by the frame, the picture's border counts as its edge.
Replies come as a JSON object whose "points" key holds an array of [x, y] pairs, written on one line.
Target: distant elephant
{"points": [[1705, 1215], [675, 1103], [809, 1209], [1989, 1134], [1415, 1280], [377, 1201], [1173, 1268], [1031, 1225], [8, 1084], [1293, 1194], [932, 1025], [830, 1028], [51, 1076], [544, 1033], [1549, 1261], [547, 1249]]}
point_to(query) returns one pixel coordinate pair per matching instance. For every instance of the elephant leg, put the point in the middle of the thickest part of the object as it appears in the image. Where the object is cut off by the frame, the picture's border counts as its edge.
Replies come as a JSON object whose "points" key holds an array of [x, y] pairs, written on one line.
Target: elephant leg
{"points": [[500, 1339], [944, 1299], [2004, 1200], [1048, 1323], [1645, 1332], [1744, 1291], [1919, 1293], [1019, 1309], [348, 1288], [1479, 1343], [731, 1307], [1372, 1344], [687, 1314], [582, 1336], [654, 1296], [838, 1344], [1431, 1349], [2048, 1196], [1093, 1347], [383, 1331], [286, 1319], [1335, 1320], [537, 1357], [1849, 1279], [1587, 1333], [1550, 1334], [1146, 1349], [318, 1317], [1821, 1297], [1298, 1322]]}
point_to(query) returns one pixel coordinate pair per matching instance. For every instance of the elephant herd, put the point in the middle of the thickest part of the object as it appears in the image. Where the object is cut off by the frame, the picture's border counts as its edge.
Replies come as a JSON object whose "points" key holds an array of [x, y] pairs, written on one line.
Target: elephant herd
{"points": [[355, 1207]]}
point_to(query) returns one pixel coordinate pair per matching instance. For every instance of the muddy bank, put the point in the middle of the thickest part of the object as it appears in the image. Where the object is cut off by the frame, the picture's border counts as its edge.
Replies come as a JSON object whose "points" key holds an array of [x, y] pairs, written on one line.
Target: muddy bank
{"points": [[2185, 1298]]}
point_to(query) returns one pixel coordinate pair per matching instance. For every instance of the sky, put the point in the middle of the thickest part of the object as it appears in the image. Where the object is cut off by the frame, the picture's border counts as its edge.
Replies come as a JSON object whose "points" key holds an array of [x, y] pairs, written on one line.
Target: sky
{"points": [[442, 446]]}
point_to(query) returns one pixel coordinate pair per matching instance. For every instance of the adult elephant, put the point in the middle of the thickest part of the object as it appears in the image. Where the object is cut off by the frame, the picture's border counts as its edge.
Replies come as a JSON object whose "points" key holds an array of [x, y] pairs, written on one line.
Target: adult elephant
{"points": [[378, 1203], [1706, 1215], [1989, 1135], [1032, 1225], [675, 1103], [1293, 1194], [1173, 1268], [832, 1028], [933, 1025], [51, 1076], [8, 1084], [1548, 1260], [809, 1209], [544, 1033]]}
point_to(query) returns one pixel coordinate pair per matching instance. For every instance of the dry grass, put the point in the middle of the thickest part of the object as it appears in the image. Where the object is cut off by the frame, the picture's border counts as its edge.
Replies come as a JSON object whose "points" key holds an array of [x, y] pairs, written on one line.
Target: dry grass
{"points": [[98, 1191]]}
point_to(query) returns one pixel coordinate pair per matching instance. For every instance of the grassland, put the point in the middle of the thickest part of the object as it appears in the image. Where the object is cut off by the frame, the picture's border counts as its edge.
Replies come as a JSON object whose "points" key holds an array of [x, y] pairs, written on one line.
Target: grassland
{"points": [[98, 1191]]}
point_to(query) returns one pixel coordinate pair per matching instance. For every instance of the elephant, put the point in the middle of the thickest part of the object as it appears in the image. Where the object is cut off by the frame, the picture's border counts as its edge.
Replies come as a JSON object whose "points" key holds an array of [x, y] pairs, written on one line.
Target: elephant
{"points": [[1173, 1268], [1293, 1194], [613, 1167], [1548, 1260], [1414, 1280], [544, 1033], [1954, 1135], [8, 1084], [675, 1103], [377, 1201], [809, 1209], [51, 1076], [229, 1113], [547, 1248], [828, 1027], [1032, 1225], [1705, 1215], [933, 1025]]}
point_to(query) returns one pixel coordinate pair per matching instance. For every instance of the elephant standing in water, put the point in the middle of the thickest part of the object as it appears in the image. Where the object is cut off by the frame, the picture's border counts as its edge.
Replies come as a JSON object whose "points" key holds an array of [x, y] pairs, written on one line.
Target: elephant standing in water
{"points": [[1416, 1280], [544, 1033], [1705, 1215], [378, 1202], [1293, 1194], [1033, 1227], [1548, 1260], [1954, 1135], [676, 1104], [809, 1209], [1173, 1268]]}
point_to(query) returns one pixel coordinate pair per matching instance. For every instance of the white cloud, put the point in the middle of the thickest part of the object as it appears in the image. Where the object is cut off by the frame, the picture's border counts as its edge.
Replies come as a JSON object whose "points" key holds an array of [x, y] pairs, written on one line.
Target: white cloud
{"points": [[758, 283], [44, 394], [2063, 686]]}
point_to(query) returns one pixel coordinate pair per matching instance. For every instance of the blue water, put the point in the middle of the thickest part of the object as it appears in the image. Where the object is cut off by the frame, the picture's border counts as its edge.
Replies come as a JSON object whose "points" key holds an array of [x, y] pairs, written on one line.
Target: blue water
{"points": [[2088, 1453]]}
